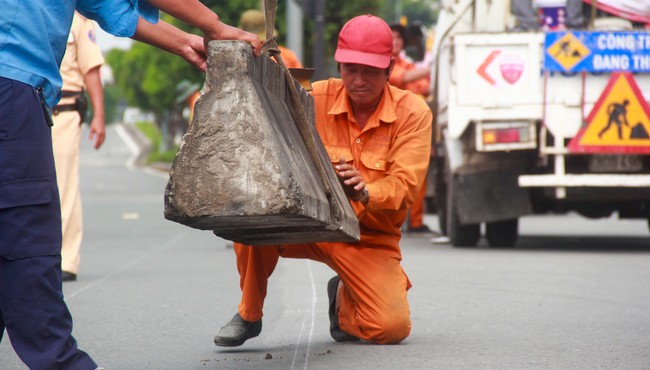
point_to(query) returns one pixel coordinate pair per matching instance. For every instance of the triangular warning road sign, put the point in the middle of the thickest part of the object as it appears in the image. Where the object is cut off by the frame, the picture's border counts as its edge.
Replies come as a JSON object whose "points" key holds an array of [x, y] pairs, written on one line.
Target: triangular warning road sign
{"points": [[619, 121]]}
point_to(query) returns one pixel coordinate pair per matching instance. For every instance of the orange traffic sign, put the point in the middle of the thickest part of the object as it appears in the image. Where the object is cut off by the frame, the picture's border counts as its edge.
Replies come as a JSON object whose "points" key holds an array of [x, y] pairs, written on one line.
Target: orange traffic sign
{"points": [[619, 121]]}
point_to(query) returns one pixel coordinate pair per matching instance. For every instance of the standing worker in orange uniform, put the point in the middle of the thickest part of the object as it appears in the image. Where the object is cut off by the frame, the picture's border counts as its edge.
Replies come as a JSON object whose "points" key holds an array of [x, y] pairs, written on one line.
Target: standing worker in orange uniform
{"points": [[80, 71], [253, 21], [408, 76], [378, 138]]}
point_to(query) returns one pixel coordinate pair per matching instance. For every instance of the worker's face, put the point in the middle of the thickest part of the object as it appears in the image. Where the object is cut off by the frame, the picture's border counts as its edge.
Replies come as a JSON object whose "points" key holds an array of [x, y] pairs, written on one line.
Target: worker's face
{"points": [[398, 43], [364, 84]]}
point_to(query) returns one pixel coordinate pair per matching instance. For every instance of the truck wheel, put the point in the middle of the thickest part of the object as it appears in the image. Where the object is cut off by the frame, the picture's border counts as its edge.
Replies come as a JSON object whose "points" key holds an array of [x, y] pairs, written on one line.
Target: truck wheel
{"points": [[442, 175], [463, 235], [441, 209], [502, 233], [460, 235]]}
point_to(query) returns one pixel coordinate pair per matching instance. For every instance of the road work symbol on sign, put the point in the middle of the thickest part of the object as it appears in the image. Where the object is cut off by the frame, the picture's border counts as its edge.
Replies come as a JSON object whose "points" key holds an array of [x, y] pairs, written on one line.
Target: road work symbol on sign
{"points": [[568, 51], [616, 114], [619, 121]]}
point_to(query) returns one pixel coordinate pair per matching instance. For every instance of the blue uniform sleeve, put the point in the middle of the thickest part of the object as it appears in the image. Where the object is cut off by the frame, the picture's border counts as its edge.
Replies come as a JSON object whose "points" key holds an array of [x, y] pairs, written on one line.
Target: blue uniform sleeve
{"points": [[118, 17], [148, 11]]}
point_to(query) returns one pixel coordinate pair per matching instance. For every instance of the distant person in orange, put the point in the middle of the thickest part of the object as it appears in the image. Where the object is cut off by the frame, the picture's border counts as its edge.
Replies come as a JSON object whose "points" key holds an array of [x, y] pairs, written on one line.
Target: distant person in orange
{"points": [[378, 138], [188, 94], [406, 75], [253, 21]]}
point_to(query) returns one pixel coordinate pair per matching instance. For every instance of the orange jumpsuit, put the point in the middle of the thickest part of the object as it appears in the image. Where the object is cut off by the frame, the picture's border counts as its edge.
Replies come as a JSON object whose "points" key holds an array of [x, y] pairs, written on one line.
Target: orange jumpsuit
{"points": [[420, 87], [392, 155]]}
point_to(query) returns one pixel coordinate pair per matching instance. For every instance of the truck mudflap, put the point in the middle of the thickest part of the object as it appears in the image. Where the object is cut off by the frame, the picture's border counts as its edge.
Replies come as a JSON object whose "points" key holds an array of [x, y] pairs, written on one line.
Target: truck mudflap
{"points": [[490, 196]]}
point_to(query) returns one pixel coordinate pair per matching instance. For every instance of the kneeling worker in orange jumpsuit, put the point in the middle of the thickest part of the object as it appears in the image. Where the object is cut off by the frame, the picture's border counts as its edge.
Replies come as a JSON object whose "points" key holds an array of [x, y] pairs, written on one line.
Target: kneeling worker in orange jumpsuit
{"points": [[378, 138]]}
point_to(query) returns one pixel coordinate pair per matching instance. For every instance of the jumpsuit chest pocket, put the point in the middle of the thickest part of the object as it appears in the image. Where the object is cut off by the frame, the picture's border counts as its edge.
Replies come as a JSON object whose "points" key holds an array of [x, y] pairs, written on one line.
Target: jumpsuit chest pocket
{"points": [[374, 166], [336, 153], [374, 161]]}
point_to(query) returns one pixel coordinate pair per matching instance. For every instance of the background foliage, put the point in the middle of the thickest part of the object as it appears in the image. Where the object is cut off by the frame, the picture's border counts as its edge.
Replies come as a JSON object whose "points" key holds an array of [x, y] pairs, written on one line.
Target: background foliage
{"points": [[146, 77]]}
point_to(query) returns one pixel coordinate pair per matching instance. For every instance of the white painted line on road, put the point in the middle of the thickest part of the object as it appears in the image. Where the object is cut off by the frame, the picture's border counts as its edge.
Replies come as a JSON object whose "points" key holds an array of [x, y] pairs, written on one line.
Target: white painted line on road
{"points": [[295, 354], [133, 146], [135, 152], [150, 171], [314, 299], [126, 267]]}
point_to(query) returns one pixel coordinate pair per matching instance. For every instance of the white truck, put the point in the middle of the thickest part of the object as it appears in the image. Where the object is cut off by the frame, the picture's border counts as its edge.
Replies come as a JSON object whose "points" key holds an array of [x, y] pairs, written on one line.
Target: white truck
{"points": [[537, 122]]}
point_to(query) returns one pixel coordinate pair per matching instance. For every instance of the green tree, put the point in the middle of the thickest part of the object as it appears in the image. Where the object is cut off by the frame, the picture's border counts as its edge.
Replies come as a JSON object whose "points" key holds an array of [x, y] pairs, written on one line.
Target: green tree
{"points": [[423, 11], [112, 98], [147, 77], [336, 13]]}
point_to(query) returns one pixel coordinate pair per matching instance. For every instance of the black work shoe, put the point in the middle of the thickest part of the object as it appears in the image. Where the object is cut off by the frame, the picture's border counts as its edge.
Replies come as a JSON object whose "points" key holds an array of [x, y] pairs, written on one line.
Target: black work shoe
{"points": [[336, 332], [237, 331], [68, 276], [420, 229]]}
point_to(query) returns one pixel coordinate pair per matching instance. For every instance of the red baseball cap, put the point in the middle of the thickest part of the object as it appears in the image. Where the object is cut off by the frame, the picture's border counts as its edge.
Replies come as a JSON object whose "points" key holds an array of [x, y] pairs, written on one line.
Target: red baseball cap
{"points": [[366, 40]]}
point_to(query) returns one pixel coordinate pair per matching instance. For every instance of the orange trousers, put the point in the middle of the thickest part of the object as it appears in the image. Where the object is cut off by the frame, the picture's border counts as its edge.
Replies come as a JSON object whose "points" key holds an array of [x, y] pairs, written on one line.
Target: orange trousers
{"points": [[373, 302]]}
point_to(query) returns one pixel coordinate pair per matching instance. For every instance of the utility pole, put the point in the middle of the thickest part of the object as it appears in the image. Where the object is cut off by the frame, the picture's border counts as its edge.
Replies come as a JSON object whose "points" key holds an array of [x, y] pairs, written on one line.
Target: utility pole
{"points": [[319, 40], [295, 29], [398, 11]]}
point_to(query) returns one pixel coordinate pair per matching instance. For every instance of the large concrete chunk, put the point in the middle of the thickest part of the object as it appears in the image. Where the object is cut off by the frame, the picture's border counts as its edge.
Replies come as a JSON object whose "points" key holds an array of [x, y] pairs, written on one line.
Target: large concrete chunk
{"points": [[243, 169]]}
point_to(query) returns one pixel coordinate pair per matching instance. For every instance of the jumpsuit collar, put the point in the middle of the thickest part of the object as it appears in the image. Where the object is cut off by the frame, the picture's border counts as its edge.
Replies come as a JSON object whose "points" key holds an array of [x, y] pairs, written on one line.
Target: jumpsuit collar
{"points": [[385, 111]]}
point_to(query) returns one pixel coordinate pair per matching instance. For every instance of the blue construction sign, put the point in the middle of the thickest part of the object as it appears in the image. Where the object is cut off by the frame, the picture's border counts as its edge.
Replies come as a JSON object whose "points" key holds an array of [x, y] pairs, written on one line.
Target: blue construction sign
{"points": [[583, 51]]}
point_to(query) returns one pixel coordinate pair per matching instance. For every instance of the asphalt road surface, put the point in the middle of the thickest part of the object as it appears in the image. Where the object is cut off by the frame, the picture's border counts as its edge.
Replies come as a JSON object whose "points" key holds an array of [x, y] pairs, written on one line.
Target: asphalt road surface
{"points": [[151, 294]]}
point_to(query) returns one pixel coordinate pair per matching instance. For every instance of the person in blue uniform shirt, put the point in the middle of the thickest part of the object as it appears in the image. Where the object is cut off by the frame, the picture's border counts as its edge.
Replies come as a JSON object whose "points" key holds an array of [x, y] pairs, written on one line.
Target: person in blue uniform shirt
{"points": [[33, 36]]}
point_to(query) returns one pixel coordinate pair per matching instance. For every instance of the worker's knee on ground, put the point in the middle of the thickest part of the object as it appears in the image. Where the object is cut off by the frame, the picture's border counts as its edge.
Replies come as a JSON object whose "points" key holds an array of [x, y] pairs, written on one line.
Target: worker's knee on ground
{"points": [[391, 329]]}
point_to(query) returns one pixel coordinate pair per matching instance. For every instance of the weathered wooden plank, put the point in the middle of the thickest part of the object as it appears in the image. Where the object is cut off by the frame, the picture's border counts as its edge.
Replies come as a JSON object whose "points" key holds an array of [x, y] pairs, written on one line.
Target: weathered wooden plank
{"points": [[243, 170]]}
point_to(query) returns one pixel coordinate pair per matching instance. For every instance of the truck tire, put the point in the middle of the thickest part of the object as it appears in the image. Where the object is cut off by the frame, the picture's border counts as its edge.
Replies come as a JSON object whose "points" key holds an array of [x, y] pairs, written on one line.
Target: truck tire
{"points": [[441, 179], [441, 207], [502, 233], [463, 235], [460, 235]]}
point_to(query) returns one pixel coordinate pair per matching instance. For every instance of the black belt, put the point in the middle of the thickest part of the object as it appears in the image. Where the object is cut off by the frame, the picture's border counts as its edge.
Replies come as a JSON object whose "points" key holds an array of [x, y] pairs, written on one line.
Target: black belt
{"points": [[64, 108], [71, 94], [67, 107]]}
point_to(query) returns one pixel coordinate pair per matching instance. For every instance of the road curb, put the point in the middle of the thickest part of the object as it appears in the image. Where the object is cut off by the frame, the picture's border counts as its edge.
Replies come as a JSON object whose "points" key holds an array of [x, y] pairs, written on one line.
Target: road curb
{"points": [[140, 146]]}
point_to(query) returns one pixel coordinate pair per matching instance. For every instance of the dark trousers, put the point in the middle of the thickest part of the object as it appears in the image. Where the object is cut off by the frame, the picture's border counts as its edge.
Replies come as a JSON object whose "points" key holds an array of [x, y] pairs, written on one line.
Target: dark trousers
{"points": [[37, 319], [32, 309]]}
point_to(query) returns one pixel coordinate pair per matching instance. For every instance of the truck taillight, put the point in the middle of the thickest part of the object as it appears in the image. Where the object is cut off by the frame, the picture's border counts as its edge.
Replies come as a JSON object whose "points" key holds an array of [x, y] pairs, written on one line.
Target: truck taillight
{"points": [[505, 136]]}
